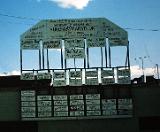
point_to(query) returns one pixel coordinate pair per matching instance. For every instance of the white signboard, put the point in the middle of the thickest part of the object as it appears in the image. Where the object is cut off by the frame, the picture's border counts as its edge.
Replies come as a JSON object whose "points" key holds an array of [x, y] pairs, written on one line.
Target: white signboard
{"points": [[27, 76], [109, 112], [52, 44], [76, 107], [28, 104], [28, 109], [106, 73], [45, 114], [76, 113], [76, 102], [75, 74], [93, 113], [106, 81], [44, 103], [92, 81], [59, 75], [30, 44], [74, 53], [75, 82], [76, 97], [28, 93], [93, 107], [96, 42], [61, 108], [60, 102], [74, 43], [58, 113], [45, 109], [28, 114], [41, 76], [59, 97], [93, 96], [44, 97], [93, 102], [28, 98], [59, 83]]}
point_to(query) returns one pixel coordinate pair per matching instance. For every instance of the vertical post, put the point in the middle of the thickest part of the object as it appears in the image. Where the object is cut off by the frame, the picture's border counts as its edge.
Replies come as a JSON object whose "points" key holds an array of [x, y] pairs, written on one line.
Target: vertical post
{"points": [[101, 57], [39, 58], [47, 60], [61, 58], [109, 56], [21, 60], [106, 54], [128, 56], [87, 57], [43, 57], [157, 67]]}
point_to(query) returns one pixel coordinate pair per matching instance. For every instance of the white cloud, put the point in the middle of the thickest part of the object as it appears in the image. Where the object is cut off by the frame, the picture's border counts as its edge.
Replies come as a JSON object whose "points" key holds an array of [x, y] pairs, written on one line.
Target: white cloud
{"points": [[78, 4], [136, 71], [14, 72]]}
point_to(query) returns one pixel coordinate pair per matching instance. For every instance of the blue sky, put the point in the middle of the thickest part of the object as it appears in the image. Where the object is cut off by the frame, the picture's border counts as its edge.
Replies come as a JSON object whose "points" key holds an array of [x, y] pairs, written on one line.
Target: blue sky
{"points": [[136, 14]]}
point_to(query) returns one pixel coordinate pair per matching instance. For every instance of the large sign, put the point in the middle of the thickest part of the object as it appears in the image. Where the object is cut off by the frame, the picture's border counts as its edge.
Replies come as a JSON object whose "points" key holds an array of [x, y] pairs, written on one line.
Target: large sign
{"points": [[74, 53], [74, 43]]}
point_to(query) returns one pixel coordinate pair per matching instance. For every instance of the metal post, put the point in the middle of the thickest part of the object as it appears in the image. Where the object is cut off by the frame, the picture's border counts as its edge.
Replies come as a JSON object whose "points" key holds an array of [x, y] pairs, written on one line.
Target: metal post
{"points": [[21, 60], [157, 68]]}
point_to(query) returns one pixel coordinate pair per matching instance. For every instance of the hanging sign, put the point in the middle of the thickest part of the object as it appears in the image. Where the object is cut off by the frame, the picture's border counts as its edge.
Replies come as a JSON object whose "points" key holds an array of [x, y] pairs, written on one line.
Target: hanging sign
{"points": [[74, 43], [74, 53], [41, 76], [52, 44], [30, 44], [96, 42]]}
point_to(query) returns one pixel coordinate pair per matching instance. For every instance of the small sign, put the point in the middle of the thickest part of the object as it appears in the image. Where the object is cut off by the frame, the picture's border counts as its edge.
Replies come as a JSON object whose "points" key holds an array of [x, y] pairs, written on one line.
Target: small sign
{"points": [[27, 76], [28, 93], [76, 102], [30, 44], [106, 73], [76, 107], [75, 74], [28, 104], [58, 75], [61, 114], [110, 112], [76, 97], [59, 83], [74, 43], [124, 72], [75, 82], [106, 81], [93, 113], [60, 102], [76, 113], [74, 53], [91, 73], [41, 76], [52, 44], [93, 102], [45, 114], [59, 97], [93, 96], [93, 107], [44, 103], [44, 109], [61, 108], [96, 42], [44, 97], [28, 109], [28, 98], [28, 115], [92, 81]]}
